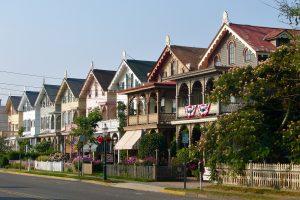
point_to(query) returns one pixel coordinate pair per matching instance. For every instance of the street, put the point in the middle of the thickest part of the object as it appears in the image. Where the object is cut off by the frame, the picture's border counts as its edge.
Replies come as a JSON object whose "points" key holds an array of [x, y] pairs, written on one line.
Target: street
{"points": [[26, 187]]}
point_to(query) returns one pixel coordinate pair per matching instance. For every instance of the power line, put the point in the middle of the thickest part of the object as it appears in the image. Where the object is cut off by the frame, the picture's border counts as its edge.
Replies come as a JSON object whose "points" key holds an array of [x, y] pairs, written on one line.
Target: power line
{"points": [[12, 84], [32, 75]]}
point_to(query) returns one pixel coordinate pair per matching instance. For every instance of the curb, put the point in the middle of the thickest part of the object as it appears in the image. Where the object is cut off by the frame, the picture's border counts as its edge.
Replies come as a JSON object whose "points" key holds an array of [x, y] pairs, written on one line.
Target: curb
{"points": [[172, 192]]}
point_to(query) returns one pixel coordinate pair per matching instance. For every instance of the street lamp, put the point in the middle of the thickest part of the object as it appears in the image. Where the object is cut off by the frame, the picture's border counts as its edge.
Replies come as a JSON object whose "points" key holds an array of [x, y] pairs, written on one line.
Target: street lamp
{"points": [[105, 155]]}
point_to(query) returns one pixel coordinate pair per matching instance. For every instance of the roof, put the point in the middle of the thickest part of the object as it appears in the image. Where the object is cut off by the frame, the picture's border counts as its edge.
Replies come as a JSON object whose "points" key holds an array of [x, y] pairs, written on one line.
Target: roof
{"points": [[75, 85], [104, 77], [15, 101], [32, 96], [187, 55], [51, 91], [150, 85], [140, 68], [258, 36]]}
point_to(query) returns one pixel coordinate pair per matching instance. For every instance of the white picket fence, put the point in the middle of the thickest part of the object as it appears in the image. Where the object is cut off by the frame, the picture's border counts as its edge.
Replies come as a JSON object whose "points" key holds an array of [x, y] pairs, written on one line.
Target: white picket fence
{"points": [[285, 176], [49, 166]]}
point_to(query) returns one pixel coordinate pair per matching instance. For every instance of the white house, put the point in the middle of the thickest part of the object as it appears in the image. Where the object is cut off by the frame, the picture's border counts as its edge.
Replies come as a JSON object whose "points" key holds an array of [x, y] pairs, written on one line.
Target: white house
{"points": [[31, 118]]}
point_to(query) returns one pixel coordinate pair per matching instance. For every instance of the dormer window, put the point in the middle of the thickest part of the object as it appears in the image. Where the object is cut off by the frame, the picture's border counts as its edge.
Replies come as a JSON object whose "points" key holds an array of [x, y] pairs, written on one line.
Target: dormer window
{"points": [[231, 53], [217, 61], [247, 55]]}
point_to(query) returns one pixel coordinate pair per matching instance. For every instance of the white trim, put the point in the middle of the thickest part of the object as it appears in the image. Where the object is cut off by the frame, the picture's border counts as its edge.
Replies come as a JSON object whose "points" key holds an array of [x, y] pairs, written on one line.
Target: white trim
{"points": [[212, 45]]}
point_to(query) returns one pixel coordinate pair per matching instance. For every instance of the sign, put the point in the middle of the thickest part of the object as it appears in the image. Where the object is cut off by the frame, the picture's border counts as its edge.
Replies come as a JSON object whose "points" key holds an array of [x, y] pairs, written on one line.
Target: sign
{"points": [[99, 139], [193, 110], [185, 137]]}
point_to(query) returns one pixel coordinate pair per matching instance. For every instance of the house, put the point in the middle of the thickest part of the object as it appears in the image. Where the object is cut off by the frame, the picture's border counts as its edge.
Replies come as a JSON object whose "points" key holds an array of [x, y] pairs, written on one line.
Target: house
{"points": [[235, 45], [31, 118], [152, 106], [49, 121], [95, 91], [3, 117], [68, 106], [131, 73]]}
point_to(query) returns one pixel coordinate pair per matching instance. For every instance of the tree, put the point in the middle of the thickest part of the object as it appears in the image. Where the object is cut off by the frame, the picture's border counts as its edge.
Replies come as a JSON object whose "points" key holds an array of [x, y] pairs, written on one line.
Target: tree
{"points": [[3, 146], [289, 10], [151, 142], [86, 127], [22, 142], [259, 130], [44, 147], [122, 117]]}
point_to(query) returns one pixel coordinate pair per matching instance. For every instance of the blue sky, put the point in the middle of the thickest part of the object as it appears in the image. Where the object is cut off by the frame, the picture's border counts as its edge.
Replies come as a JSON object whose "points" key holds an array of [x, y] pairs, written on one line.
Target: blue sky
{"points": [[45, 37]]}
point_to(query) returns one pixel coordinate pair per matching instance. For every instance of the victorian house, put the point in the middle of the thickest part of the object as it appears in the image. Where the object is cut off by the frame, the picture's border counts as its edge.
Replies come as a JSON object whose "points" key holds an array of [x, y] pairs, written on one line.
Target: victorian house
{"points": [[152, 106], [31, 118], [95, 91], [235, 45], [49, 121], [15, 120], [131, 73], [68, 106]]}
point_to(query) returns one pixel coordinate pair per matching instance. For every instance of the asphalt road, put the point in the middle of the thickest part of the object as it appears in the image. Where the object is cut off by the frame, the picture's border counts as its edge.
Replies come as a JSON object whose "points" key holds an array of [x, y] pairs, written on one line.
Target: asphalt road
{"points": [[18, 187]]}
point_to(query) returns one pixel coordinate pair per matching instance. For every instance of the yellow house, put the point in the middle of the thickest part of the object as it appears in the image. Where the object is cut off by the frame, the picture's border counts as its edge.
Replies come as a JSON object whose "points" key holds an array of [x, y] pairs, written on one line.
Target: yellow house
{"points": [[68, 106]]}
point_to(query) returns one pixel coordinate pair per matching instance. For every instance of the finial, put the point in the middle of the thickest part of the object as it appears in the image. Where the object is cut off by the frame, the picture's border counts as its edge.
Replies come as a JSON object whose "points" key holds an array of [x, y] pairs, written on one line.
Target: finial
{"points": [[124, 56], [168, 40], [9, 93], [225, 19], [92, 65], [44, 81], [66, 74], [24, 88]]}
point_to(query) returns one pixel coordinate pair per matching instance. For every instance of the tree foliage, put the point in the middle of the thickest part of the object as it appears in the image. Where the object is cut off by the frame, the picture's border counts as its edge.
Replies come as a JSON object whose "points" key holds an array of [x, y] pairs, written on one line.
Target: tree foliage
{"points": [[266, 127], [149, 143], [43, 147], [289, 10], [86, 127], [3, 147]]}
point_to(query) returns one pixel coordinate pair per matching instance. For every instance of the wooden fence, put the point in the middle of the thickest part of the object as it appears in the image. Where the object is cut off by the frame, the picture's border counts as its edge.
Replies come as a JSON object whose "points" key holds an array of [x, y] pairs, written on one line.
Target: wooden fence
{"points": [[285, 176], [132, 171]]}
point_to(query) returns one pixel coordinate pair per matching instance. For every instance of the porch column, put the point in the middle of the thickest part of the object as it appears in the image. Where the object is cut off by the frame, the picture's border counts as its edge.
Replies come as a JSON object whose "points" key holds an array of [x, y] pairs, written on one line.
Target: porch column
{"points": [[147, 96], [203, 90], [177, 106], [128, 109], [138, 108], [158, 104]]}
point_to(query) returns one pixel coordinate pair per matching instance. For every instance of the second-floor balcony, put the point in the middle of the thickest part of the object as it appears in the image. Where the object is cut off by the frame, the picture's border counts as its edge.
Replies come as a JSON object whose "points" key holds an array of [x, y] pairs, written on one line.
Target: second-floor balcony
{"points": [[161, 118]]}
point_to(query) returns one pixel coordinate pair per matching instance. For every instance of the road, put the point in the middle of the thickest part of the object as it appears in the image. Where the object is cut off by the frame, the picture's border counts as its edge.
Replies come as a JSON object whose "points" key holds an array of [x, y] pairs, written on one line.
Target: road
{"points": [[19, 187]]}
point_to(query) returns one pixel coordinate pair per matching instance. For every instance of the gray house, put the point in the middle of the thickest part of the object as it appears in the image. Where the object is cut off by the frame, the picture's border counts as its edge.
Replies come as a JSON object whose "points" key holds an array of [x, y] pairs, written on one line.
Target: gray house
{"points": [[45, 106]]}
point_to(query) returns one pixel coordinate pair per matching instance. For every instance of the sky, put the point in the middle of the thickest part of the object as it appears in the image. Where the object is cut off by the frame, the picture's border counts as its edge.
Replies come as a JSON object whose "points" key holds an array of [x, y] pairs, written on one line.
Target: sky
{"points": [[48, 37]]}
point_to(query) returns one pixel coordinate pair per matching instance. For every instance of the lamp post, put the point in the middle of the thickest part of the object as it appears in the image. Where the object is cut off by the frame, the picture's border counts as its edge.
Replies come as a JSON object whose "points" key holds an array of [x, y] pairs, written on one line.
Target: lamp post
{"points": [[105, 154]]}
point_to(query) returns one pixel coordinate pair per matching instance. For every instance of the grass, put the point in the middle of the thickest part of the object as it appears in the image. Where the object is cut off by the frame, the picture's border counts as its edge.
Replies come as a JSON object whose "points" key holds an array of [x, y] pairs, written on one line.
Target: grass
{"points": [[245, 193]]}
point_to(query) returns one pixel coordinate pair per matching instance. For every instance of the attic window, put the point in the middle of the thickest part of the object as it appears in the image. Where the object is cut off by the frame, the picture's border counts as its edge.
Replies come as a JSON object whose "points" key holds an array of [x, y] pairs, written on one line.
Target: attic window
{"points": [[231, 53], [247, 55], [173, 68], [217, 61]]}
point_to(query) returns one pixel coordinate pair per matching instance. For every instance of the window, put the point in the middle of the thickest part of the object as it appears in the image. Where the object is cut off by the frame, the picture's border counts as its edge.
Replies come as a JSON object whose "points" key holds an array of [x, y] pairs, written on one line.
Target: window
{"points": [[96, 90], [247, 55], [217, 61], [162, 105], [173, 105], [173, 68], [231, 53], [131, 80]]}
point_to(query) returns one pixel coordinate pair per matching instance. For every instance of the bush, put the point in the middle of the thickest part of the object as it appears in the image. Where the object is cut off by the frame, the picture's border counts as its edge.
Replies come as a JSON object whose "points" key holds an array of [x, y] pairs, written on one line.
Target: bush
{"points": [[149, 143], [15, 165], [43, 158], [14, 155], [97, 166], [3, 161]]}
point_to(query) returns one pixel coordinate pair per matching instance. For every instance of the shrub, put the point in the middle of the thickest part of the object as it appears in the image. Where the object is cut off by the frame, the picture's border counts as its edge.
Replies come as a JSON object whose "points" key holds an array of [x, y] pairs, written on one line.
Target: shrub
{"points": [[150, 160], [149, 143], [16, 165], [3, 161], [97, 166], [14, 155], [131, 160], [42, 158]]}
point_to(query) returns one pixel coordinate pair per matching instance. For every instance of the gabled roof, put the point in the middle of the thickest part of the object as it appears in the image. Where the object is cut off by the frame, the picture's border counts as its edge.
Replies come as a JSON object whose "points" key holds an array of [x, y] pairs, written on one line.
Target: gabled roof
{"points": [[51, 91], [256, 38], [140, 68], [15, 101], [31, 96], [188, 56], [104, 77], [149, 85], [75, 85]]}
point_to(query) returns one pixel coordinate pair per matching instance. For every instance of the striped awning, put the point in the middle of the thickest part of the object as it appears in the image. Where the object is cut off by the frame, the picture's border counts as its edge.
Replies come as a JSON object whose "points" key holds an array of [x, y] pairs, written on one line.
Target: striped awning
{"points": [[128, 140]]}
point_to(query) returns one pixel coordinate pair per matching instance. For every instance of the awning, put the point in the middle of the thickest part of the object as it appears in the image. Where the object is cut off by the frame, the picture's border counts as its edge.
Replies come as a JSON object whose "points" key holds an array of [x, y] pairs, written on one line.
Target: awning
{"points": [[128, 140]]}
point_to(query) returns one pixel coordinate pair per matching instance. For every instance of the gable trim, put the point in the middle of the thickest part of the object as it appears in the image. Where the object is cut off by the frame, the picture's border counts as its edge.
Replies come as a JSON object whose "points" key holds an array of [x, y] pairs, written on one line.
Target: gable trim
{"points": [[219, 36]]}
